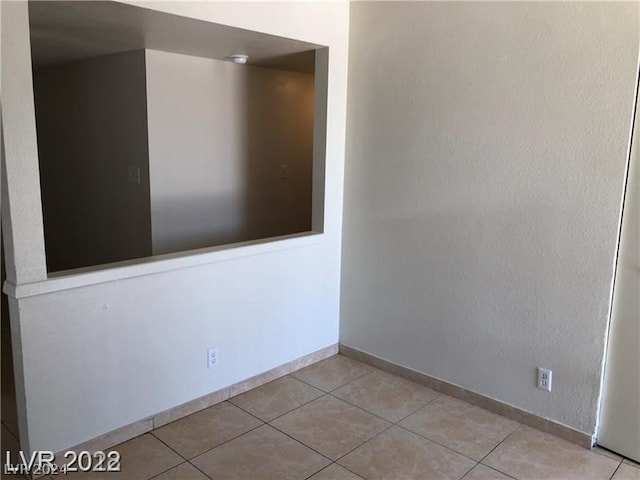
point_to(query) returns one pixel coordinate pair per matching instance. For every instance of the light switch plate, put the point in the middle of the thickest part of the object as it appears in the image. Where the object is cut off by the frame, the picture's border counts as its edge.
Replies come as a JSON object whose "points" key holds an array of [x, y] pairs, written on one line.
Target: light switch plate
{"points": [[133, 174]]}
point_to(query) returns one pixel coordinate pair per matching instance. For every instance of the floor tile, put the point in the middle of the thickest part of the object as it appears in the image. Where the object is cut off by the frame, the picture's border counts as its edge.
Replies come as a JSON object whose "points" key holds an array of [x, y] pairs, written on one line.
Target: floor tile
{"points": [[140, 459], [386, 395], [9, 444], [9, 409], [258, 380], [335, 472], [185, 471], [204, 430], [332, 373], [330, 426], [8, 441], [276, 398], [399, 454], [607, 453], [627, 472], [628, 461], [531, 454], [262, 454], [189, 408], [467, 429], [482, 472]]}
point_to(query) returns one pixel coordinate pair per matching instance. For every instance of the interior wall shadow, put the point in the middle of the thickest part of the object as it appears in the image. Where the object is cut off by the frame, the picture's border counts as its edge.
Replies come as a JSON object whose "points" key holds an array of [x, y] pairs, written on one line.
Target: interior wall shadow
{"points": [[218, 226], [91, 119], [221, 136], [279, 116], [220, 153]]}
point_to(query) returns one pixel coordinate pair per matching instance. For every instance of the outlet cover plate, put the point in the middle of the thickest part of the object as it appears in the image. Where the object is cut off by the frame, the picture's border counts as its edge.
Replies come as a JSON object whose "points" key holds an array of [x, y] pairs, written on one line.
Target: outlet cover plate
{"points": [[212, 357], [544, 379]]}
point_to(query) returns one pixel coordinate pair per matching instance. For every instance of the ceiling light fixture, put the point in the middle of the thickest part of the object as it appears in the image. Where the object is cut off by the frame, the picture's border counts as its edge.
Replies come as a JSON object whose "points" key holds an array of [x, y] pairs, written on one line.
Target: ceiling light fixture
{"points": [[239, 58]]}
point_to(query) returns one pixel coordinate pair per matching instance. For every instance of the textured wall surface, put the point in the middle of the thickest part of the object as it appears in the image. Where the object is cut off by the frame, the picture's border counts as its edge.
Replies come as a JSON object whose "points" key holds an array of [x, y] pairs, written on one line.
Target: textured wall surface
{"points": [[21, 220], [94, 355], [218, 133], [486, 150]]}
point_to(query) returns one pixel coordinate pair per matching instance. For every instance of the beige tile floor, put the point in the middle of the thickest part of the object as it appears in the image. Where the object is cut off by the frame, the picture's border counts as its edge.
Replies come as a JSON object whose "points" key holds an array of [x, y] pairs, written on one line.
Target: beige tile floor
{"points": [[342, 420]]}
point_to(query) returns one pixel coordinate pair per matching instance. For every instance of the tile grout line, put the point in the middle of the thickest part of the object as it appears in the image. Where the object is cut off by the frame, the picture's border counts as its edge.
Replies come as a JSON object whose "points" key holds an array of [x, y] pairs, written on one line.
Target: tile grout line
{"points": [[437, 443], [331, 393], [186, 460], [262, 423], [494, 448], [516, 414], [338, 465], [300, 441], [469, 471], [438, 395], [198, 469], [167, 445], [360, 408], [383, 418], [227, 441], [622, 459], [10, 432], [332, 461], [304, 445], [307, 383], [321, 470], [342, 456], [349, 470], [391, 423], [451, 448], [616, 470], [501, 441], [429, 402], [339, 386], [180, 464], [323, 393], [395, 424], [359, 377], [167, 470], [490, 468]]}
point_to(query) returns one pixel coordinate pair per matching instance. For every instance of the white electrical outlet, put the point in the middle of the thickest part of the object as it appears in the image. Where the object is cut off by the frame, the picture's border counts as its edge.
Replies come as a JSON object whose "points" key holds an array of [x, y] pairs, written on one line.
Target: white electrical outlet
{"points": [[544, 379], [212, 357]]}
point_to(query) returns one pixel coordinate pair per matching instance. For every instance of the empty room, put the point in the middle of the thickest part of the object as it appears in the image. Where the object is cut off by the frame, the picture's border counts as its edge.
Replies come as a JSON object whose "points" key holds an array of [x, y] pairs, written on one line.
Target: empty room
{"points": [[336, 240]]}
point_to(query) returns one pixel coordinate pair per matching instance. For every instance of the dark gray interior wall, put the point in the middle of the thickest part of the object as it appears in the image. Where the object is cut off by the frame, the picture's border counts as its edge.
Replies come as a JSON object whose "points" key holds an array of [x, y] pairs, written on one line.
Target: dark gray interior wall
{"points": [[92, 126]]}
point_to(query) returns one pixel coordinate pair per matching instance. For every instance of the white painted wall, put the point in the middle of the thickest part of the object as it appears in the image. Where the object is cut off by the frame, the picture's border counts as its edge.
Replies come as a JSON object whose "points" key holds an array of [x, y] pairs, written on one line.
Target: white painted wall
{"points": [[92, 125], [485, 162], [22, 228], [100, 352], [21, 220], [620, 414], [218, 133]]}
